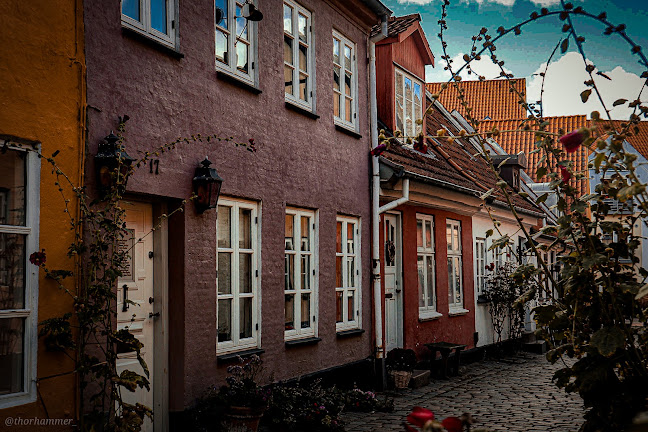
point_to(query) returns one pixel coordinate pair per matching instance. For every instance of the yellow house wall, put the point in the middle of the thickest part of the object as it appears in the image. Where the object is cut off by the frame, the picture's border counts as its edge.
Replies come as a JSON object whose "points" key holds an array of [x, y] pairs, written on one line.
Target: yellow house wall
{"points": [[42, 83]]}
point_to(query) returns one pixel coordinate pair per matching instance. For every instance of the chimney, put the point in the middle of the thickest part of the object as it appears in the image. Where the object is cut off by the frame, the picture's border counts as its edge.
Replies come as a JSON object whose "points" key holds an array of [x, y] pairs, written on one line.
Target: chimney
{"points": [[509, 168]]}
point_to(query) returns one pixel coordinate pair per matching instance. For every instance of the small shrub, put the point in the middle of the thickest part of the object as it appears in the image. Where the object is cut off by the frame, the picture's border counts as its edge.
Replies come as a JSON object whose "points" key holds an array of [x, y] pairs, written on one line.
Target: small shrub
{"points": [[400, 359], [366, 401]]}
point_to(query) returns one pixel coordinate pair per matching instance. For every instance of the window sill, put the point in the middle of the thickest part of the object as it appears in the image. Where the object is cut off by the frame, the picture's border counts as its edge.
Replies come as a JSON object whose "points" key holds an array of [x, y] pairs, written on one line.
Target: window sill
{"points": [[16, 399], [233, 356], [293, 106], [346, 130], [234, 80], [154, 43], [430, 316], [457, 312], [299, 342], [349, 333]]}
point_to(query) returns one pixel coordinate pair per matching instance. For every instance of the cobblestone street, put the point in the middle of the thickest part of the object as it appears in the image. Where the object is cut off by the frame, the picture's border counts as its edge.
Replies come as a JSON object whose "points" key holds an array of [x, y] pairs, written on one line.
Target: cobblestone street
{"points": [[514, 394]]}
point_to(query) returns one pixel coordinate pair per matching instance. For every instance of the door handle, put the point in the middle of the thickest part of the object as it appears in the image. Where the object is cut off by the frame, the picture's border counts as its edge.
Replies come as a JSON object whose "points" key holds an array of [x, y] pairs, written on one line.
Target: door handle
{"points": [[398, 290], [125, 300], [154, 315], [389, 295]]}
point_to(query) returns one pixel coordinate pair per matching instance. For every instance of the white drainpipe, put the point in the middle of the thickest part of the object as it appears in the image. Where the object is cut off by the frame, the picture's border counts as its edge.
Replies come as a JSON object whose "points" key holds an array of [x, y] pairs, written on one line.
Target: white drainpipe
{"points": [[375, 201], [399, 201]]}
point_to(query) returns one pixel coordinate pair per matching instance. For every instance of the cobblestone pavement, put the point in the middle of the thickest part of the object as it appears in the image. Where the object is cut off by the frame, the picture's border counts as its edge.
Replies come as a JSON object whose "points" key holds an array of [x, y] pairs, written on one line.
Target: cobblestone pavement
{"points": [[514, 394]]}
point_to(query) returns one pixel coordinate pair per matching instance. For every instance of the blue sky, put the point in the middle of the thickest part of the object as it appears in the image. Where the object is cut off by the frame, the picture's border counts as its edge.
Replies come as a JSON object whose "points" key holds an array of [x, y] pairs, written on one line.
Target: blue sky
{"points": [[524, 55]]}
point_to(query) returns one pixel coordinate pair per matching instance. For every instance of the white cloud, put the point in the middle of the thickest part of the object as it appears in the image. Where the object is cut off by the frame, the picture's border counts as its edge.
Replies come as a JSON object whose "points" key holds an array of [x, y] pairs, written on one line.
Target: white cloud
{"points": [[484, 67], [565, 82]]}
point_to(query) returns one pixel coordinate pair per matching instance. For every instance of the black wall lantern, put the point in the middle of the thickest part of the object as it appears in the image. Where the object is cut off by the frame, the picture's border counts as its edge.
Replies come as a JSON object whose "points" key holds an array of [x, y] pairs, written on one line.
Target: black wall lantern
{"points": [[206, 185], [248, 11], [108, 158]]}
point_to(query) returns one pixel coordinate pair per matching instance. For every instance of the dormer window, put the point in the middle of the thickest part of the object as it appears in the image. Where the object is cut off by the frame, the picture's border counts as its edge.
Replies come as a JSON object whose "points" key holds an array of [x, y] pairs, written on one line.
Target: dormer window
{"points": [[409, 103]]}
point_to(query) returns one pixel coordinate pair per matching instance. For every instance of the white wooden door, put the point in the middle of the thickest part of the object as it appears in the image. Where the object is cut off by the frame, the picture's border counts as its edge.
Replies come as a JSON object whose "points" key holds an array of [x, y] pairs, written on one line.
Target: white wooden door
{"points": [[136, 285], [393, 283]]}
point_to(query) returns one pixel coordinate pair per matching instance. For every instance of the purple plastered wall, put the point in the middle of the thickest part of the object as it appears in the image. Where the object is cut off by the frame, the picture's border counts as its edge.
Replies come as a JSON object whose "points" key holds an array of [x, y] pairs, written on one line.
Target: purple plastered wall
{"points": [[301, 162]]}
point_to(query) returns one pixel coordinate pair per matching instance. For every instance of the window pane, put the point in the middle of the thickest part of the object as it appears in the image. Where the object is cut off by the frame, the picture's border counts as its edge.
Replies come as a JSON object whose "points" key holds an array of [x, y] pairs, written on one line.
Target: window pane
{"points": [[245, 329], [338, 306], [428, 234], [336, 78], [288, 50], [348, 109], [287, 19], [336, 51], [347, 83], [290, 272], [159, 15], [221, 47], [131, 8], [224, 273], [242, 56], [419, 233], [351, 306], [245, 273], [430, 281], [417, 100], [338, 244], [351, 270], [338, 272], [347, 57], [449, 236], [12, 188], [305, 233], [12, 272], [245, 228], [455, 239], [303, 87], [305, 272], [12, 336], [290, 232], [421, 280], [241, 24], [224, 320], [350, 238], [305, 311], [221, 9], [289, 307], [457, 274], [400, 113], [450, 281], [303, 58], [224, 224], [288, 79], [336, 105], [302, 25]]}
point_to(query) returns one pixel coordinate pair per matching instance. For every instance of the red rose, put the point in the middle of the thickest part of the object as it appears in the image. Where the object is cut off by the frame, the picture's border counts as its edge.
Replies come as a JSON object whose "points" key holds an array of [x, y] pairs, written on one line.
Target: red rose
{"points": [[377, 151], [419, 416], [37, 258], [573, 140], [453, 424], [565, 174]]}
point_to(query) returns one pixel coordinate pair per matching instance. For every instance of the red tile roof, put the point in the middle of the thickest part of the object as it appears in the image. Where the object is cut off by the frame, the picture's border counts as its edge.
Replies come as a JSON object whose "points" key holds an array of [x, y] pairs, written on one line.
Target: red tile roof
{"points": [[490, 98], [397, 25], [638, 140]]}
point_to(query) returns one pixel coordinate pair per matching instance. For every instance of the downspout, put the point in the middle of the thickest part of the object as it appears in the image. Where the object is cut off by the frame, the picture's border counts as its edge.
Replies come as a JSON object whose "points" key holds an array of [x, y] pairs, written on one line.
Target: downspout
{"points": [[375, 202], [399, 201]]}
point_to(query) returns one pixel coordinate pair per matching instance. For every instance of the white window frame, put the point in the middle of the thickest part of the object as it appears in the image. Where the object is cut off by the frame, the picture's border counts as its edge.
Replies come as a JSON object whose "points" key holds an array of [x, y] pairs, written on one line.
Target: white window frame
{"points": [[237, 344], [297, 291], [293, 98], [415, 115], [480, 265], [29, 312], [456, 306], [145, 27], [347, 324], [231, 67], [427, 253], [341, 119]]}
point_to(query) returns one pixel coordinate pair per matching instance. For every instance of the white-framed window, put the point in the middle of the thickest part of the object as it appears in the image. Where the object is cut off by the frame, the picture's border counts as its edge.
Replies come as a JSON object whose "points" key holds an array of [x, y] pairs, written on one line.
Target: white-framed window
{"points": [[238, 275], [19, 183], [409, 103], [347, 273], [298, 54], [152, 18], [300, 289], [235, 40], [480, 264], [455, 282], [426, 265], [345, 81]]}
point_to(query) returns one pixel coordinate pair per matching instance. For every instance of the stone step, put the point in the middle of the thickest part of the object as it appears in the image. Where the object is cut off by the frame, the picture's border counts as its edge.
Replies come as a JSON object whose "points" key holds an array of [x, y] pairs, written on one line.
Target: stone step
{"points": [[420, 378], [537, 347], [528, 336]]}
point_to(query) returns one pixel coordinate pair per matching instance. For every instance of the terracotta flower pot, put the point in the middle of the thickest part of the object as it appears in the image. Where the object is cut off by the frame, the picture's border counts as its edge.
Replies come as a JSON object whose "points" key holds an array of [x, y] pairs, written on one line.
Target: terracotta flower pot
{"points": [[243, 419], [401, 378]]}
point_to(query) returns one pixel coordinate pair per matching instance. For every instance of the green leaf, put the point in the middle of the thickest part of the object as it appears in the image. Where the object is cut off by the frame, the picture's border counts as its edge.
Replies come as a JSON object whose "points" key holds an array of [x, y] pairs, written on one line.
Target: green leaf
{"points": [[600, 157], [643, 292], [541, 172], [542, 198], [564, 45], [490, 233], [608, 340], [487, 194], [585, 95], [588, 197], [592, 260], [619, 102]]}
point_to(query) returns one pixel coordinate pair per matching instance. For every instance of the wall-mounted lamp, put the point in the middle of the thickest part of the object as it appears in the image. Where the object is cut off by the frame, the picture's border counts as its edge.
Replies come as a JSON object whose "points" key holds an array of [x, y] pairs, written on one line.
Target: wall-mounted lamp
{"points": [[248, 11], [109, 157], [206, 185]]}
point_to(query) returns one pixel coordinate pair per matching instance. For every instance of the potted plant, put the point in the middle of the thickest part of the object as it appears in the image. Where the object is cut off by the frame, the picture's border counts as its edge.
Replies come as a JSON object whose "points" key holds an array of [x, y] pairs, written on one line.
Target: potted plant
{"points": [[244, 399], [400, 364]]}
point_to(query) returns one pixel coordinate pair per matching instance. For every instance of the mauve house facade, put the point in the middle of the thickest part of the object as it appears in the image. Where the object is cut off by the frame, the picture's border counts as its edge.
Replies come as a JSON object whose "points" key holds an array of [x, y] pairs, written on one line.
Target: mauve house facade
{"points": [[282, 267]]}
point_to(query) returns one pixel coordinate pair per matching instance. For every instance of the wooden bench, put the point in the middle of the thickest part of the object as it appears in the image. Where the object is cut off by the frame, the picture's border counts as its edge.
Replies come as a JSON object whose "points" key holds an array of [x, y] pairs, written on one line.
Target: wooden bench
{"points": [[445, 348]]}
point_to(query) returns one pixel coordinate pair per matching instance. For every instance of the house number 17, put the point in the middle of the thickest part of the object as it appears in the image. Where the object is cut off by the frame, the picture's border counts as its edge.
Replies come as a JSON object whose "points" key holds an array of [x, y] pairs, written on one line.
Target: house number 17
{"points": [[155, 162]]}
